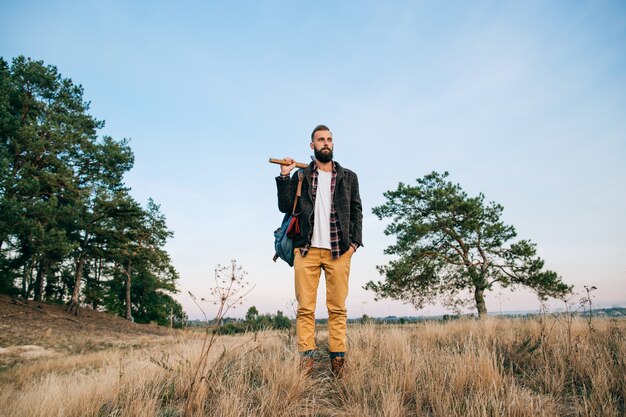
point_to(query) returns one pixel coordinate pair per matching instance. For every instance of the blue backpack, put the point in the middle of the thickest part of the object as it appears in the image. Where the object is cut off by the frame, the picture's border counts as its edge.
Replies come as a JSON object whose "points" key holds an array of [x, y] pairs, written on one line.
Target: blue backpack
{"points": [[290, 227]]}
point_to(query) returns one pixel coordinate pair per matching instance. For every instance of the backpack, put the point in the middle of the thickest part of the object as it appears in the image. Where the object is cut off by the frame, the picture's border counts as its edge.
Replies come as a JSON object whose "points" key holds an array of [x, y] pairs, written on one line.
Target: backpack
{"points": [[289, 228]]}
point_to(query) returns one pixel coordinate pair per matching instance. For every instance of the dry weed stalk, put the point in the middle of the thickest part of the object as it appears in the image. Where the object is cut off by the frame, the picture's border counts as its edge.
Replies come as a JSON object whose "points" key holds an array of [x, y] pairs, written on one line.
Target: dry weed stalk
{"points": [[567, 319], [229, 290]]}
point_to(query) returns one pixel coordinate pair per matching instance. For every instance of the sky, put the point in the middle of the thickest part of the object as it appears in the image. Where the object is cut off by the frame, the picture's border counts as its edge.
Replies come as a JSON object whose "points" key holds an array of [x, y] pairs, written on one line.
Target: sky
{"points": [[522, 101]]}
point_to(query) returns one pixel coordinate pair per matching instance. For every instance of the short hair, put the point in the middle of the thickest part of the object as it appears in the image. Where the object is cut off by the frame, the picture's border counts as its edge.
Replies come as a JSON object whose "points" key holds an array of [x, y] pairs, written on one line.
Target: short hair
{"points": [[317, 128]]}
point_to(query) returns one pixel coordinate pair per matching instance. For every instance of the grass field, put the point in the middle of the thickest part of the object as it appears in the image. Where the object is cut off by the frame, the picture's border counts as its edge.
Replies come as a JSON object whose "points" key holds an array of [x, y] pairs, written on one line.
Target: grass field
{"points": [[547, 366]]}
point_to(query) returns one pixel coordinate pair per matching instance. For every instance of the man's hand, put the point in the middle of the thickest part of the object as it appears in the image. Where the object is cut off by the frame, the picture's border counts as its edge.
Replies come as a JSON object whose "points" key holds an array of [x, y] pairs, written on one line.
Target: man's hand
{"points": [[285, 170]]}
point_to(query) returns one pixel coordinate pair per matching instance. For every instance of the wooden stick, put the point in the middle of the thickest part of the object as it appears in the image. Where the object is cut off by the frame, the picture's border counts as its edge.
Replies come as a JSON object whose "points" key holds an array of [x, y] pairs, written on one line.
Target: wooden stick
{"points": [[283, 162]]}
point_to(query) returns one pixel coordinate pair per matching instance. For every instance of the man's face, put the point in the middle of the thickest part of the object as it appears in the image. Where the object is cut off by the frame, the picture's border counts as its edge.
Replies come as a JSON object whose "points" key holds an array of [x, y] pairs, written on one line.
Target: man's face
{"points": [[322, 145]]}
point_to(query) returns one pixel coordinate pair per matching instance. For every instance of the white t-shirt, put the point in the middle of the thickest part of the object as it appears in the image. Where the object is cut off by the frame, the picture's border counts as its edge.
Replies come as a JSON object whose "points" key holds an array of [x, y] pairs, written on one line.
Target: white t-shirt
{"points": [[323, 205]]}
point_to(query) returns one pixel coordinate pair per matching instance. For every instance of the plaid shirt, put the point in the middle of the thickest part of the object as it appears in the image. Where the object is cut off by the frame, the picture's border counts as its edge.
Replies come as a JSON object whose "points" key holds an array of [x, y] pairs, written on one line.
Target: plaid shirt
{"points": [[335, 229]]}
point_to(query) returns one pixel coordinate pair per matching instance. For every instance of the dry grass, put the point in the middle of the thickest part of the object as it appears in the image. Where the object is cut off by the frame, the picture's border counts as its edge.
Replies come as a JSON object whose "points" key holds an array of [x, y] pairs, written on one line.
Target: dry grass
{"points": [[496, 367]]}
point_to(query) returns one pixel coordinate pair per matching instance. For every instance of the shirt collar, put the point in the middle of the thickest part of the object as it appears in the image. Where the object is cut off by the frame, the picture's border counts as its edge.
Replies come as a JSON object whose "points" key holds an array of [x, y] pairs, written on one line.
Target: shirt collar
{"points": [[315, 166]]}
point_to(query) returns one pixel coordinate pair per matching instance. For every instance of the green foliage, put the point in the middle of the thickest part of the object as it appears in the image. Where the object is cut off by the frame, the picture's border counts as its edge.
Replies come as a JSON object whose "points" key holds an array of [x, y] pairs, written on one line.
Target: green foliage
{"points": [[252, 314], [365, 319], [449, 244], [255, 322], [69, 229], [230, 328], [281, 322]]}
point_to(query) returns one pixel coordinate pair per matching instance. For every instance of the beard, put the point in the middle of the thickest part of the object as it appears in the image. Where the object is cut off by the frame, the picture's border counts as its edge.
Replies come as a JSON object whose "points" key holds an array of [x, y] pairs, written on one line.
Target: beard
{"points": [[324, 157]]}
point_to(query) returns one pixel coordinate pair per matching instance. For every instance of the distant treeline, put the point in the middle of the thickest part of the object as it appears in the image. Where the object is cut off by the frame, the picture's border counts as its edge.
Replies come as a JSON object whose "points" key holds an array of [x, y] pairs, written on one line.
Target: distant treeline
{"points": [[251, 323], [612, 312], [69, 230]]}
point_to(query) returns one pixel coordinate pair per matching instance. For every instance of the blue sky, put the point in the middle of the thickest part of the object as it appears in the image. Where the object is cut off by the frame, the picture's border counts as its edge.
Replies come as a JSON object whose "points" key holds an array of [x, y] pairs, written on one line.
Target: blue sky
{"points": [[523, 101]]}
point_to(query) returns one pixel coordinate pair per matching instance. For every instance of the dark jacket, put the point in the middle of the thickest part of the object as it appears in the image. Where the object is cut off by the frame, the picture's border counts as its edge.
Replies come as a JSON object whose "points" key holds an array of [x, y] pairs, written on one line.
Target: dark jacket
{"points": [[346, 200]]}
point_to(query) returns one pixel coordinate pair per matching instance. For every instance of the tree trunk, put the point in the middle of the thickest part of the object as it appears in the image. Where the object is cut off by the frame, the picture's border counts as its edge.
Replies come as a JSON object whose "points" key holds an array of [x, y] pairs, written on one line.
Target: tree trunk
{"points": [[24, 282], [480, 302], [31, 283], [95, 302], [78, 277], [27, 280], [128, 283], [39, 282]]}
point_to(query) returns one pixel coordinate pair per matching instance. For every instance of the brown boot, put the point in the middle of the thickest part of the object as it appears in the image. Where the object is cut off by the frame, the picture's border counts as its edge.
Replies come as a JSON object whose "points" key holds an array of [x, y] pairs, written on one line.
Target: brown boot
{"points": [[306, 364], [336, 366]]}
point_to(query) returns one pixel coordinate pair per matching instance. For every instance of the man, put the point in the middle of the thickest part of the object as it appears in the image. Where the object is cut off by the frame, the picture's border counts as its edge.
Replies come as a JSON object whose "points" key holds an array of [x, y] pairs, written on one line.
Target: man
{"points": [[330, 233]]}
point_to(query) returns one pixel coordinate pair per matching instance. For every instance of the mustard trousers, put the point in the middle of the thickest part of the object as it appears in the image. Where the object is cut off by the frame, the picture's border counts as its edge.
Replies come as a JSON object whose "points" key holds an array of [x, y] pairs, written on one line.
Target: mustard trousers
{"points": [[307, 277]]}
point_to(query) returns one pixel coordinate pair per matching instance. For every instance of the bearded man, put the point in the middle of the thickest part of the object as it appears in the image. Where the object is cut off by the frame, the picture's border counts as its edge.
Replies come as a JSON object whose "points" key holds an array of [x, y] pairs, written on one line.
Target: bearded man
{"points": [[331, 219]]}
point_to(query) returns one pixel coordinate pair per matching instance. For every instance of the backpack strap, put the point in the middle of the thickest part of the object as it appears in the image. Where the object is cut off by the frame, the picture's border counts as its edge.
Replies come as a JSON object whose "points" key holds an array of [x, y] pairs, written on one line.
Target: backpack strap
{"points": [[298, 191]]}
